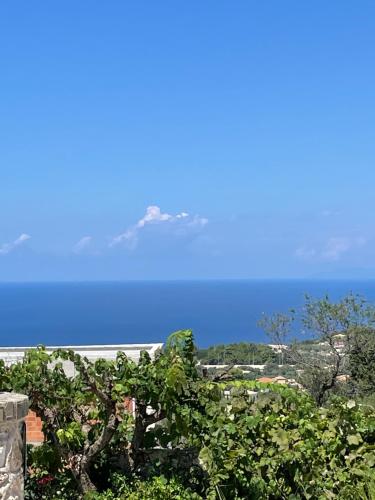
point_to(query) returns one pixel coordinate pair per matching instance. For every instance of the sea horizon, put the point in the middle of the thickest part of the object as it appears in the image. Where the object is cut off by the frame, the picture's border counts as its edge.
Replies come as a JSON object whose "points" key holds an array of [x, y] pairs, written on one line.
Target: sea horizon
{"points": [[144, 311]]}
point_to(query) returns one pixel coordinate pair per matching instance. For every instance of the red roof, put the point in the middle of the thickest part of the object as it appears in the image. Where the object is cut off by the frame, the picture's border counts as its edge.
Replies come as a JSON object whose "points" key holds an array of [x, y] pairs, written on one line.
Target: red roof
{"points": [[265, 380]]}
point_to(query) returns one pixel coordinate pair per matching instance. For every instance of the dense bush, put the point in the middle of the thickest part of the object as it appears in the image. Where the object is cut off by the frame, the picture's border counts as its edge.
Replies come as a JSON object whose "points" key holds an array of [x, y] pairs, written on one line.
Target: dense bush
{"points": [[47, 478], [157, 488], [283, 446], [278, 445]]}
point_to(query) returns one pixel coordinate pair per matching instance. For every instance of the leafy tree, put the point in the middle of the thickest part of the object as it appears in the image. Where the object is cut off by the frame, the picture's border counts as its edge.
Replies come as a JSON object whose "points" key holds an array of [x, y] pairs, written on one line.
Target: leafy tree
{"points": [[336, 329], [83, 415], [362, 361]]}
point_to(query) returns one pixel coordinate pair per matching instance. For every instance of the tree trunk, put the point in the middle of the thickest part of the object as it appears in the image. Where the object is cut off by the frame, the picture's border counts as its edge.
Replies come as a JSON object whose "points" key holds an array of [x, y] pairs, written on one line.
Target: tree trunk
{"points": [[137, 443], [86, 485]]}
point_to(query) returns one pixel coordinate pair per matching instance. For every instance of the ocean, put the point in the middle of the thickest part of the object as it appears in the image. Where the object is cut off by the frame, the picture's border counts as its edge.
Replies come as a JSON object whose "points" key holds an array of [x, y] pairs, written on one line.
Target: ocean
{"points": [[127, 312]]}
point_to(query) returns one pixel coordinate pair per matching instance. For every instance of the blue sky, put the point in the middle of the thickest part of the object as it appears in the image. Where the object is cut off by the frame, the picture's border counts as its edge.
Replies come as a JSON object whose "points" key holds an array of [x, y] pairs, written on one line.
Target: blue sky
{"points": [[247, 127]]}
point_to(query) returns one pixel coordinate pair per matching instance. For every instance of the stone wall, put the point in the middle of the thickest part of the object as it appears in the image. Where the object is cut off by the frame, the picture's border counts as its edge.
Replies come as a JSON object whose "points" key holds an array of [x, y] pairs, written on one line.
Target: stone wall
{"points": [[13, 409]]}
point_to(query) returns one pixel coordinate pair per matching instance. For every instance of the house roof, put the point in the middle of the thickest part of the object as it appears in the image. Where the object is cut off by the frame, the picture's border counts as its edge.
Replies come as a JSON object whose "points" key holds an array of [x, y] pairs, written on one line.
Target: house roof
{"points": [[265, 380]]}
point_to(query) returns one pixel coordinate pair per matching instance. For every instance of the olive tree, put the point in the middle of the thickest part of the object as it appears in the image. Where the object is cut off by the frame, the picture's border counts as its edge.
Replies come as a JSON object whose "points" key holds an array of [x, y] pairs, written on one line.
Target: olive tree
{"points": [[337, 330]]}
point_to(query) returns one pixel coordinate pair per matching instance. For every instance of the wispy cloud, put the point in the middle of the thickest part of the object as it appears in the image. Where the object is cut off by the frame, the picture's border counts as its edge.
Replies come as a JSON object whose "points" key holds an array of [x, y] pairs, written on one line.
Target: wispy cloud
{"points": [[330, 213], [332, 250], [9, 247], [336, 247], [305, 252], [82, 244], [154, 215]]}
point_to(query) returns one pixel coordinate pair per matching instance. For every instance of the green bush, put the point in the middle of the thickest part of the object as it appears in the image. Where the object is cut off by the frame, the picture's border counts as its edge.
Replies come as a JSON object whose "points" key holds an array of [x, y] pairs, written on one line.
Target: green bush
{"points": [[47, 478], [284, 446], [157, 488]]}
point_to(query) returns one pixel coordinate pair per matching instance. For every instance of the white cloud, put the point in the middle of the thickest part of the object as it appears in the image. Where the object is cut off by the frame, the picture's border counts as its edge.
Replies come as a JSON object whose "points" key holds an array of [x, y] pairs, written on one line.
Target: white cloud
{"points": [[198, 221], [154, 215], [129, 237], [82, 244], [335, 247], [330, 213], [9, 247], [332, 250], [21, 239], [305, 252]]}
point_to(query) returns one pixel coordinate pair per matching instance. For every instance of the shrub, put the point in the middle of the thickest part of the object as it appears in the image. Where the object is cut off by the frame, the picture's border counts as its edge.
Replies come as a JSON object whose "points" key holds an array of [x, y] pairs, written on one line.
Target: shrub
{"points": [[47, 478], [157, 488], [284, 446]]}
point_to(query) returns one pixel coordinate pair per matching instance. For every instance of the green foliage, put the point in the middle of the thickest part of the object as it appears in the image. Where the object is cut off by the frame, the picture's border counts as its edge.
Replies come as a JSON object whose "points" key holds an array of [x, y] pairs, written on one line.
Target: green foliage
{"points": [[283, 446], [47, 478], [243, 353], [157, 488], [272, 370], [343, 332], [323, 317], [245, 439], [71, 435], [44, 486], [85, 416], [362, 361]]}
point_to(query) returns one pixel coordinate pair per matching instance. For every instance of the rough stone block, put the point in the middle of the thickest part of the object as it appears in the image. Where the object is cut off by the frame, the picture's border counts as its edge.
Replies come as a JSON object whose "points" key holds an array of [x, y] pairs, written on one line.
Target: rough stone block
{"points": [[13, 409], [10, 414]]}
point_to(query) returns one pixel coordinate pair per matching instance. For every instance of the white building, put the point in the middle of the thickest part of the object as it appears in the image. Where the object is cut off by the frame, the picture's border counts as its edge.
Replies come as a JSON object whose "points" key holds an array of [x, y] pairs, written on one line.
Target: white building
{"points": [[12, 355]]}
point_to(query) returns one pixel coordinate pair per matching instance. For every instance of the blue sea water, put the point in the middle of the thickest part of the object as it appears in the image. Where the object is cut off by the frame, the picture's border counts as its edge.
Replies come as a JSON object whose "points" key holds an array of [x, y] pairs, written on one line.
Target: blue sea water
{"points": [[106, 313]]}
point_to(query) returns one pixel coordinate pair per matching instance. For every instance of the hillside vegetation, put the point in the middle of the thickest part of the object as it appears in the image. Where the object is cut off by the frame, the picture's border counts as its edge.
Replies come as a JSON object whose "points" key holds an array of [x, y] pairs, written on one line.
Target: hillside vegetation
{"points": [[242, 353]]}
